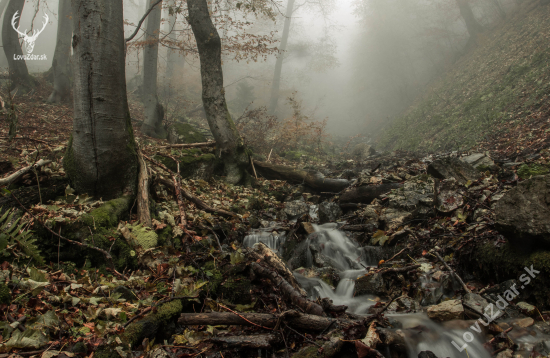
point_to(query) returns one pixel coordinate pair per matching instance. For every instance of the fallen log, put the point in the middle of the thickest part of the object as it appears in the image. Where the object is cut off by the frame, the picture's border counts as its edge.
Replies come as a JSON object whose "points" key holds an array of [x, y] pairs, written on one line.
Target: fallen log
{"points": [[290, 292], [314, 180], [258, 341], [11, 178], [192, 145], [366, 194], [292, 318]]}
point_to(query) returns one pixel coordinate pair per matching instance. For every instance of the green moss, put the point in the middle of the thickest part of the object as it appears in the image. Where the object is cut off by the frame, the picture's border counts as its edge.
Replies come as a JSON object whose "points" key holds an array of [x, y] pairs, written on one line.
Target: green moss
{"points": [[165, 236], [109, 214], [527, 170], [187, 133], [5, 294]]}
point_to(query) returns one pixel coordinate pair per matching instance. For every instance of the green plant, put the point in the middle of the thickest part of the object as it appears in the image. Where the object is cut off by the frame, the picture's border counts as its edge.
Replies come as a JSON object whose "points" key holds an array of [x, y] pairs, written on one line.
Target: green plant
{"points": [[14, 235]]}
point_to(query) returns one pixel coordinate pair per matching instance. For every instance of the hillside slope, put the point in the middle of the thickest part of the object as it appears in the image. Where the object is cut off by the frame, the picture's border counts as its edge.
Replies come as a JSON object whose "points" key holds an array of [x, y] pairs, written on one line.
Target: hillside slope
{"points": [[497, 92]]}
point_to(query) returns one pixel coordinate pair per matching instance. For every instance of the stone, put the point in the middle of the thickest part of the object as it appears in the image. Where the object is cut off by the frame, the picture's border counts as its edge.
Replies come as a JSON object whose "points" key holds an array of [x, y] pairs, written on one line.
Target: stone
{"points": [[447, 168], [475, 302], [329, 212], [182, 133], [526, 308], [394, 218], [446, 311], [308, 227], [363, 150], [479, 161], [126, 293], [448, 195], [416, 196], [508, 353], [295, 209], [523, 322], [426, 354], [523, 214], [371, 283]]}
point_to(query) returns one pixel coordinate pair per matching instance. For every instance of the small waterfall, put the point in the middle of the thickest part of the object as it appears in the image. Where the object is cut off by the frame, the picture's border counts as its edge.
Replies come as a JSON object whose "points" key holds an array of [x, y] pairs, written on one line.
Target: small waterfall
{"points": [[272, 240]]}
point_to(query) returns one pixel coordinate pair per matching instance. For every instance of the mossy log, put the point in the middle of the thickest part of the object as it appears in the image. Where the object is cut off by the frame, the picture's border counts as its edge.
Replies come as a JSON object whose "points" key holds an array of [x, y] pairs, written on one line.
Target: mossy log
{"points": [[314, 180], [366, 194]]}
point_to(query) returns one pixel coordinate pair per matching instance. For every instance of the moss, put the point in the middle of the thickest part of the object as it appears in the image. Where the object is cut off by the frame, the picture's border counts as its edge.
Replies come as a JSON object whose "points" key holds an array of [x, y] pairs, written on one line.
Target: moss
{"points": [[186, 133], [236, 290], [527, 170], [5, 294], [165, 236], [109, 214], [507, 262]]}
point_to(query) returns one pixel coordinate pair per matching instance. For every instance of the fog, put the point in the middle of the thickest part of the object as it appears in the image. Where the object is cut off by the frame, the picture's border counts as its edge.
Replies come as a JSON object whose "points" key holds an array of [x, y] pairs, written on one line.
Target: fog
{"points": [[355, 63]]}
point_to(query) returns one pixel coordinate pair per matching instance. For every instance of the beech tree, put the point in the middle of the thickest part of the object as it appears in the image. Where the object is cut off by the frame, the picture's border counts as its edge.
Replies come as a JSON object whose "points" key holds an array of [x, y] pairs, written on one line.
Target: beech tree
{"points": [[473, 27], [230, 145], [19, 74], [101, 157], [61, 59], [154, 112]]}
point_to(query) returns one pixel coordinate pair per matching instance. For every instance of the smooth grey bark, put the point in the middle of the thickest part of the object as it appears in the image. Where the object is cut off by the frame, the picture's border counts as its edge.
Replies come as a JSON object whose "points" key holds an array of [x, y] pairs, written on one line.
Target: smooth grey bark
{"points": [[230, 145], [154, 112], [19, 74], [473, 27], [3, 5], [276, 84], [101, 157], [61, 59]]}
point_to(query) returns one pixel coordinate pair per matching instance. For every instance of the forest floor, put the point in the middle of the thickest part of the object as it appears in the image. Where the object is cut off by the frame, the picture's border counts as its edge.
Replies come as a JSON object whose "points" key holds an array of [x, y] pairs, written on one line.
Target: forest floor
{"points": [[501, 85], [198, 290]]}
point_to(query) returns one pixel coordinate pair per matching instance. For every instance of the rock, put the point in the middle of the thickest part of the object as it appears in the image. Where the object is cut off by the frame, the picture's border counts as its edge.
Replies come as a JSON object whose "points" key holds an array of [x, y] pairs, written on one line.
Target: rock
{"points": [[126, 293], [394, 218], [526, 308], [446, 311], [448, 195], [523, 322], [475, 302], [508, 353], [371, 283], [308, 227], [295, 209], [447, 168], [523, 215], [329, 212], [426, 354], [367, 193], [479, 161], [415, 196], [363, 151], [181, 133]]}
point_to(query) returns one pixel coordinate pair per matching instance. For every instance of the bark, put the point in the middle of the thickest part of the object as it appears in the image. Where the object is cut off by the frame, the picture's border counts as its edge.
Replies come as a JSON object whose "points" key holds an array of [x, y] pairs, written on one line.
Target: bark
{"points": [[297, 176], [3, 5], [473, 27], [173, 59], [257, 341], [154, 112], [366, 194], [101, 157], [19, 74], [275, 85], [291, 318], [144, 214], [10, 179], [61, 59], [230, 145]]}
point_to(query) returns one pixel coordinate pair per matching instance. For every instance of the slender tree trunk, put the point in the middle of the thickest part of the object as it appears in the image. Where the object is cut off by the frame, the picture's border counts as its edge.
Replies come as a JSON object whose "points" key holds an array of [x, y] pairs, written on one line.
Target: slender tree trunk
{"points": [[101, 157], [173, 55], [154, 112], [276, 84], [19, 74], [229, 144], [473, 27], [61, 58], [3, 5]]}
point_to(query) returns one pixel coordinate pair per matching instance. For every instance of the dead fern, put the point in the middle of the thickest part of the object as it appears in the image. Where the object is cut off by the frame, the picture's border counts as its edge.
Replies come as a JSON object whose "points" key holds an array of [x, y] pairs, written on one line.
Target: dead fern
{"points": [[15, 237]]}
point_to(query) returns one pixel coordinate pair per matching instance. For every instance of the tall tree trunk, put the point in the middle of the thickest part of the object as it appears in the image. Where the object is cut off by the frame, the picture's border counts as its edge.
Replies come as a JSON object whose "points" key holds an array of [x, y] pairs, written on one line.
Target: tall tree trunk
{"points": [[275, 85], [499, 8], [61, 58], [173, 55], [101, 157], [473, 27], [154, 112], [19, 74], [229, 143]]}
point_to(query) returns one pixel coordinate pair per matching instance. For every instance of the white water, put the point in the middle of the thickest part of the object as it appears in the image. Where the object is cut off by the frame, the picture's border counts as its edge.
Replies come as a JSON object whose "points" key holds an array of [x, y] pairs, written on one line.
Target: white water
{"points": [[272, 240]]}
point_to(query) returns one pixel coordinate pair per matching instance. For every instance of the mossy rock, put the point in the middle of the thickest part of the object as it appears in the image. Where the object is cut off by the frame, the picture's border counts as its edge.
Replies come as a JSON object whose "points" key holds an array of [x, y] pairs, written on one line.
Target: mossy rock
{"points": [[181, 133], [500, 264], [528, 170], [5, 294]]}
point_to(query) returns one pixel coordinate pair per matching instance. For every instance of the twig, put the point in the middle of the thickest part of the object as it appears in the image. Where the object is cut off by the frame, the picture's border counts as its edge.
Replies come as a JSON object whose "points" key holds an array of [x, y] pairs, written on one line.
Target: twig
{"points": [[108, 257], [253, 168], [141, 21], [190, 145], [453, 272], [397, 254], [269, 156]]}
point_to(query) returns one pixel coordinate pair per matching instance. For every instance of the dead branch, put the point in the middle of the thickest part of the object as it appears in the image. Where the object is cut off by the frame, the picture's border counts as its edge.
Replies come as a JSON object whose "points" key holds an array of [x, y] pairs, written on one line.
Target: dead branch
{"points": [[20, 172], [453, 272], [258, 341], [366, 194], [290, 292], [398, 269], [141, 21], [192, 145], [292, 318], [179, 199], [144, 215]]}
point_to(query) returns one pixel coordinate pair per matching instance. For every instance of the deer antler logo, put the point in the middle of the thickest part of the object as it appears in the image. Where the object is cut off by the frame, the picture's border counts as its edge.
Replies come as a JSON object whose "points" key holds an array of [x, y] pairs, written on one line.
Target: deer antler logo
{"points": [[29, 40]]}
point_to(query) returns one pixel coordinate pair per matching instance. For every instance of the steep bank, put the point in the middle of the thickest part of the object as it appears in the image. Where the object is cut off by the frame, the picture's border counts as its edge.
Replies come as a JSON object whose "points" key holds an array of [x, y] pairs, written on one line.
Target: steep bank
{"points": [[497, 90]]}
